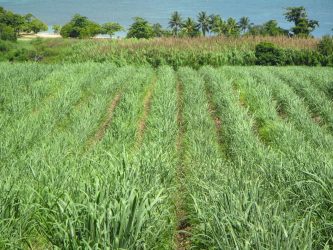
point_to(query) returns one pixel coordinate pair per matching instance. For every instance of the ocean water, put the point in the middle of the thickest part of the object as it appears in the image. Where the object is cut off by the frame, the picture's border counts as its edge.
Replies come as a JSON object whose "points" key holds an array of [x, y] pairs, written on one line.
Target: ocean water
{"points": [[122, 11]]}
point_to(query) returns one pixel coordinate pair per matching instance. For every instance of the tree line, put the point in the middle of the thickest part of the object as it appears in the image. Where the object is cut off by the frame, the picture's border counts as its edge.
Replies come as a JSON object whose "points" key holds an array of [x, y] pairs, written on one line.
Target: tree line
{"points": [[203, 25], [11, 25]]}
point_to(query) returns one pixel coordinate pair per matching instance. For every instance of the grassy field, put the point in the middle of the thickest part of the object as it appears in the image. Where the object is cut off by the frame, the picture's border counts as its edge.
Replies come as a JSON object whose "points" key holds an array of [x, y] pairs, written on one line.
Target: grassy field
{"points": [[95, 156]]}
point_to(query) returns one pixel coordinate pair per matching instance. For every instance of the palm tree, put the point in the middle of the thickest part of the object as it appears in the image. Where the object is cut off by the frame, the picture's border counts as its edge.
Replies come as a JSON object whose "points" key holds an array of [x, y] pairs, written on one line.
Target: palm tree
{"points": [[232, 28], [190, 27], [244, 23], [204, 21], [175, 22], [158, 30], [217, 25]]}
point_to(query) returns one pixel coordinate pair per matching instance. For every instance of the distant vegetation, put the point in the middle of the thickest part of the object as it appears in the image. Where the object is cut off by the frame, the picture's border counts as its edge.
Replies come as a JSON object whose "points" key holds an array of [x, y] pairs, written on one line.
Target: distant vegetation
{"points": [[303, 26], [11, 25], [82, 27], [204, 25], [182, 43], [140, 29], [325, 45]]}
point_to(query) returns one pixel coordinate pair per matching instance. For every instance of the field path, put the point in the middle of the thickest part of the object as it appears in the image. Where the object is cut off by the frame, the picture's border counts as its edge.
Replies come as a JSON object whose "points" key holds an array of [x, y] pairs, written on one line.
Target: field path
{"points": [[212, 110], [106, 123], [183, 224], [146, 109]]}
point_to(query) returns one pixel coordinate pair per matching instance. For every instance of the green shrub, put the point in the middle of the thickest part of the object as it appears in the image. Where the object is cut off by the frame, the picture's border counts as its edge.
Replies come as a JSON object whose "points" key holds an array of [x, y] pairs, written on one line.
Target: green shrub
{"points": [[325, 46], [268, 54], [7, 33], [305, 57], [330, 90], [329, 61], [23, 55], [5, 46]]}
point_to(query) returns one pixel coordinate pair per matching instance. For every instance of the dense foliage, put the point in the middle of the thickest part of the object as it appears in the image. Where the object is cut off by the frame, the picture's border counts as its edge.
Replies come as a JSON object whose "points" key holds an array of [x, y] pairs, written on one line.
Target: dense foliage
{"points": [[325, 45], [141, 28], [269, 54], [269, 28], [80, 27], [11, 24], [111, 28], [303, 25]]}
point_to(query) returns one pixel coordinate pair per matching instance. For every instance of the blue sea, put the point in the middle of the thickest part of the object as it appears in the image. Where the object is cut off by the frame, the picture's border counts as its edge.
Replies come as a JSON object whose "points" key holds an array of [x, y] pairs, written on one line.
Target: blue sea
{"points": [[122, 11]]}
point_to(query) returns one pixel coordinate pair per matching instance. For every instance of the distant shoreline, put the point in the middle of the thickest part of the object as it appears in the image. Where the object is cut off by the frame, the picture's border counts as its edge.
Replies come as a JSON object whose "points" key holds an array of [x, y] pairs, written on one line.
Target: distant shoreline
{"points": [[52, 35], [38, 35]]}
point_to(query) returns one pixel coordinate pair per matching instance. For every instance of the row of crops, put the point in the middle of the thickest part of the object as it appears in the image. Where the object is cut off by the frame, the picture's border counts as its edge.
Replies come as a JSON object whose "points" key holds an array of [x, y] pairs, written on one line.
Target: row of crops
{"points": [[94, 156]]}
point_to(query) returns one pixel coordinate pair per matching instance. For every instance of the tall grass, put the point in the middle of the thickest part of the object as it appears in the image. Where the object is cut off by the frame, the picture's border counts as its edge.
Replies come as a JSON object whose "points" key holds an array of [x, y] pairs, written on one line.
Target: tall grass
{"points": [[175, 52], [211, 43], [319, 103]]}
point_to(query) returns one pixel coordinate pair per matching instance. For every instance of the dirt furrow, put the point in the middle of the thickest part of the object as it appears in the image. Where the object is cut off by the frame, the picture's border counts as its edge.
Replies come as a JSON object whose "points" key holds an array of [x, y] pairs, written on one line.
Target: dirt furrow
{"points": [[183, 225], [106, 123], [217, 120], [146, 109]]}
